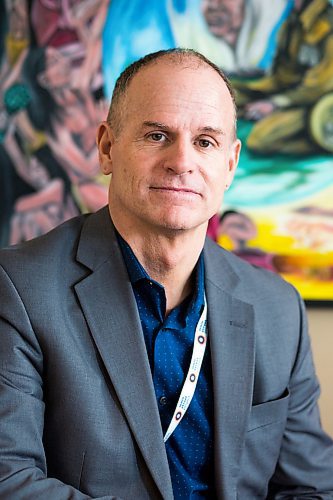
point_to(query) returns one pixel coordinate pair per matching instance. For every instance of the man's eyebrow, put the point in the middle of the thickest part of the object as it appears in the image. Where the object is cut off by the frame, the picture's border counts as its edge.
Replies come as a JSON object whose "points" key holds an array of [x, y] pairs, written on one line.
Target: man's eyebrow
{"points": [[213, 130], [158, 125], [163, 126]]}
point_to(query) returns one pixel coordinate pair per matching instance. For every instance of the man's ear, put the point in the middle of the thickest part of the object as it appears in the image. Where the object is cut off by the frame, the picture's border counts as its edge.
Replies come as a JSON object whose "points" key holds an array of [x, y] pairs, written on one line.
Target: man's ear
{"points": [[233, 160], [104, 141]]}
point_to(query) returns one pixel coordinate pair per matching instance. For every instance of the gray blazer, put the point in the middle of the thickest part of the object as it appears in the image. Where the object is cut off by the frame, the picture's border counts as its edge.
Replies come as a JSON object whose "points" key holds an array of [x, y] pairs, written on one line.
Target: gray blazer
{"points": [[78, 412]]}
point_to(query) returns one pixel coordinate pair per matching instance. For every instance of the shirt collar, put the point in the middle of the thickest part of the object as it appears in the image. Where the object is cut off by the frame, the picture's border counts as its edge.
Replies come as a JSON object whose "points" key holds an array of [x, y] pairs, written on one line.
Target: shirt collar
{"points": [[137, 272]]}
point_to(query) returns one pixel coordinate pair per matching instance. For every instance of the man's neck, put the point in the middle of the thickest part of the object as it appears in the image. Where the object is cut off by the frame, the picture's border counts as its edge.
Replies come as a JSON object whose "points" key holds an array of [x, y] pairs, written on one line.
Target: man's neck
{"points": [[171, 265], [168, 258]]}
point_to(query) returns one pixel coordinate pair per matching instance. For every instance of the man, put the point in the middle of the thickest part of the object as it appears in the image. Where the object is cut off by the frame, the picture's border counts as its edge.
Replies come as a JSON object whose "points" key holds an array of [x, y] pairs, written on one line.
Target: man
{"points": [[99, 319]]}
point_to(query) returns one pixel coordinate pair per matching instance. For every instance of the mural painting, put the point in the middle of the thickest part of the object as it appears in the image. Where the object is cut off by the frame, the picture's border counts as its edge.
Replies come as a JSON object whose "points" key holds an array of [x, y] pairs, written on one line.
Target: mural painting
{"points": [[58, 63]]}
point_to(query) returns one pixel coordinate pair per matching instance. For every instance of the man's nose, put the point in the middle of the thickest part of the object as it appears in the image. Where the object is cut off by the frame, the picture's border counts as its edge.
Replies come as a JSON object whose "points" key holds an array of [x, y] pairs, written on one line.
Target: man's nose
{"points": [[180, 157]]}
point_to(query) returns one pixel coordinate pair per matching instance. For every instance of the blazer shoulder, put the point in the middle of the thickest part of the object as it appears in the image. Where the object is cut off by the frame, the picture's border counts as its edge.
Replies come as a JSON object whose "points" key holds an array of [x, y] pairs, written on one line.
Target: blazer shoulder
{"points": [[56, 244], [251, 282]]}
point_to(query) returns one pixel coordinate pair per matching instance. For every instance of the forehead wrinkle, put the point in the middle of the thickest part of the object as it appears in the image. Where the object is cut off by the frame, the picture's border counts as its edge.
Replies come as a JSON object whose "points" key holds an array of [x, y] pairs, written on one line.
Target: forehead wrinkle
{"points": [[162, 126]]}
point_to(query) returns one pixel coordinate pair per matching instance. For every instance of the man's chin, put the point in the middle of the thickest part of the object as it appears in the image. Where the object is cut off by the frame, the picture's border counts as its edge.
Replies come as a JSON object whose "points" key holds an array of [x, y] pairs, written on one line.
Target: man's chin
{"points": [[180, 225]]}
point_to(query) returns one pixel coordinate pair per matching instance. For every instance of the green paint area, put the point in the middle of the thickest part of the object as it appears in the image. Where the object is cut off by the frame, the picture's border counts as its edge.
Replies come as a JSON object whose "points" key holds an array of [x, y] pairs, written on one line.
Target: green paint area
{"points": [[263, 181]]}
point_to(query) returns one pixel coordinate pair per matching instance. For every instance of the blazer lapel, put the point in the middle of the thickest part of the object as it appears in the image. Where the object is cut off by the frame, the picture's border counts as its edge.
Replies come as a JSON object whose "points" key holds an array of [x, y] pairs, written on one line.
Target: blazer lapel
{"points": [[232, 341], [108, 303]]}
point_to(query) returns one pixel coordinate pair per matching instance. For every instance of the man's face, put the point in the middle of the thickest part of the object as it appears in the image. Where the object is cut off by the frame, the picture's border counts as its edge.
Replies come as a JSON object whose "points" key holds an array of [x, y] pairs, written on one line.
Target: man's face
{"points": [[224, 18], [175, 151]]}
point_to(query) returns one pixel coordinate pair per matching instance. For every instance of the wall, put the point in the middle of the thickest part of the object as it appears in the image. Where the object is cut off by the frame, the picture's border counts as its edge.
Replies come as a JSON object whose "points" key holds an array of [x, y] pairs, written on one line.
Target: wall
{"points": [[321, 332]]}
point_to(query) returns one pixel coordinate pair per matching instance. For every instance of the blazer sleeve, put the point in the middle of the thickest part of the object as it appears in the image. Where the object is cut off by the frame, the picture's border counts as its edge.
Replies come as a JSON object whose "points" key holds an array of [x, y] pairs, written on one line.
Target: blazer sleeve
{"points": [[23, 468], [305, 466]]}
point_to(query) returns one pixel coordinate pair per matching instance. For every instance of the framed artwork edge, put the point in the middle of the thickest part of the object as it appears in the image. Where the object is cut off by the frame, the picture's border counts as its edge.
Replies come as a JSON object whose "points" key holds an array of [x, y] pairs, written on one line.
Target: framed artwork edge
{"points": [[318, 304]]}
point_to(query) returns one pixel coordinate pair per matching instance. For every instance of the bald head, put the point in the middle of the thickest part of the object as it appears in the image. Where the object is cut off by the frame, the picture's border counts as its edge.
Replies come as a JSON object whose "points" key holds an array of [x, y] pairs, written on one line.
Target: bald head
{"points": [[186, 58]]}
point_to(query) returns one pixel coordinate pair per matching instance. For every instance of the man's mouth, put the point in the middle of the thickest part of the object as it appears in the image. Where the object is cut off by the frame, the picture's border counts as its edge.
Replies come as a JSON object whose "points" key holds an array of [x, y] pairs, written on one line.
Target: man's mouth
{"points": [[173, 189]]}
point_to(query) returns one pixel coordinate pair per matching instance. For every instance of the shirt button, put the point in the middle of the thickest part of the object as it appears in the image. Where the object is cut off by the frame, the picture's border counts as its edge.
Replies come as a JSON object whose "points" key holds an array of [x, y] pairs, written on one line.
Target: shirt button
{"points": [[163, 400]]}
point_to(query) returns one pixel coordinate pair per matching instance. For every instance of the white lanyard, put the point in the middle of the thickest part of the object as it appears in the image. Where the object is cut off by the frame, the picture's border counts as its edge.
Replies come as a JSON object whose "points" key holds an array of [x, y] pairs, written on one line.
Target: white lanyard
{"points": [[186, 395]]}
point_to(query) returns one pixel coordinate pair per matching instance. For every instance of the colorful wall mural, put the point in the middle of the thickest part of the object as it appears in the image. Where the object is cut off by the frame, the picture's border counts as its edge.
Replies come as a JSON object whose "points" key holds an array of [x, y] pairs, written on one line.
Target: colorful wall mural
{"points": [[58, 63]]}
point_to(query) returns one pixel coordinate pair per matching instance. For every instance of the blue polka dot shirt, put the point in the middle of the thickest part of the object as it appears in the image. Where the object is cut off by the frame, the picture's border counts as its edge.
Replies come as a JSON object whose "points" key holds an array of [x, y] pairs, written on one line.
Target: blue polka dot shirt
{"points": [[169, 342]]}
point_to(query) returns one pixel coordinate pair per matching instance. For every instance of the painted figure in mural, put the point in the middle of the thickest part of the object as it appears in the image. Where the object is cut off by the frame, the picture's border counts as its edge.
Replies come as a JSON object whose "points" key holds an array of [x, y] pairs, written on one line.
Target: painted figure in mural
{"points": [[69, 120], [244, 30], [48, 201], [284, 103], [138, 358], [234, 231], [146, 26], [71, 124], [51, 102], [224, 18], [74, 26]]}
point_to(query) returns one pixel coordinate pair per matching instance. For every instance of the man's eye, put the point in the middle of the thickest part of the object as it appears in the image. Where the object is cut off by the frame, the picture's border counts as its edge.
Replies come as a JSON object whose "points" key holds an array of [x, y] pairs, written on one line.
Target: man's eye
{"points": [[157, 137], [204, 143]]}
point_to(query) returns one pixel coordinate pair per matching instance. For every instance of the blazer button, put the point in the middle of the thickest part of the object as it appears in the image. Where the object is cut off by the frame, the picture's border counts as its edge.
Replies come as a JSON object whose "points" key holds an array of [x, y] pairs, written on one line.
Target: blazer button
{"points": [[163, 400]]}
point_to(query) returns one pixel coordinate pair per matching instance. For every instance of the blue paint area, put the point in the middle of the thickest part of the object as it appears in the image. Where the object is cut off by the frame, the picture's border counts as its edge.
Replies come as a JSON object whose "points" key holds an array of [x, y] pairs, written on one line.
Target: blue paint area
{"points": [[180, 6], [131, 30], [268, 57]]}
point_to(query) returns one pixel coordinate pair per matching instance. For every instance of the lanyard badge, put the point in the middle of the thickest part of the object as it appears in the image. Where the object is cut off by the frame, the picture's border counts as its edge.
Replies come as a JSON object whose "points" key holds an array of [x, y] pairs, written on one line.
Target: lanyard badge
{"points": [[187, 392]]}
